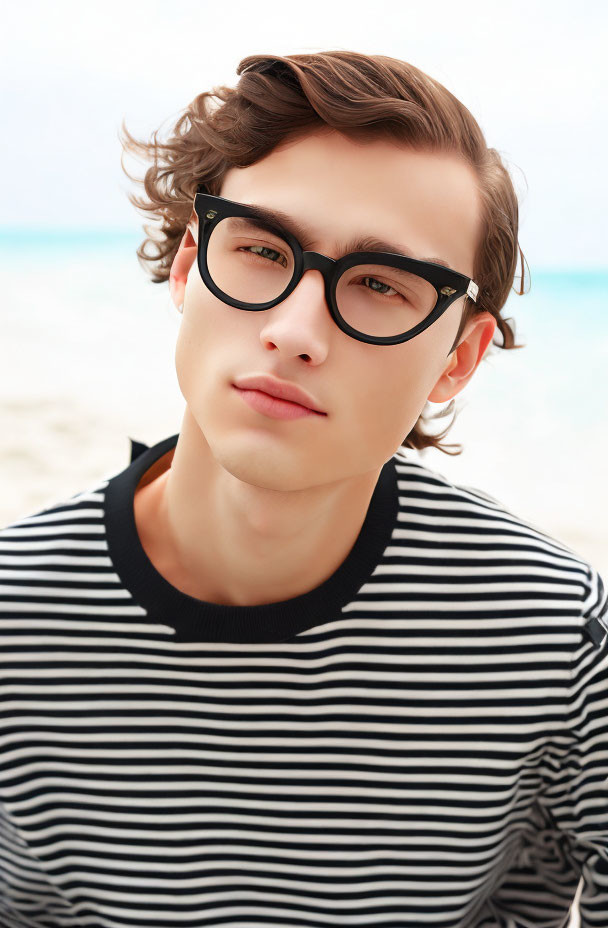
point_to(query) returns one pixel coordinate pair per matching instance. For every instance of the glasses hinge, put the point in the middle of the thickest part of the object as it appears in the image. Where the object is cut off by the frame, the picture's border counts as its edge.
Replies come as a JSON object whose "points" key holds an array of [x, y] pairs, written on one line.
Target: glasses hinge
{"points": [[472, 290]]}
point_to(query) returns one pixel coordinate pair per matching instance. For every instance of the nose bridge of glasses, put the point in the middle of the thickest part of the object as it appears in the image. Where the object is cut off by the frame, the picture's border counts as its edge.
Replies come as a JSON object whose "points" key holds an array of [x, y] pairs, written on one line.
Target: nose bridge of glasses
{"points": [[313, 260]]}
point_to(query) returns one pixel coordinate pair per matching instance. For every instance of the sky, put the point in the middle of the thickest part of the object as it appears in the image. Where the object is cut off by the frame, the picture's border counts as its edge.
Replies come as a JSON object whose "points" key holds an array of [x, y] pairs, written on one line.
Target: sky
{"points": [[534, 75]]}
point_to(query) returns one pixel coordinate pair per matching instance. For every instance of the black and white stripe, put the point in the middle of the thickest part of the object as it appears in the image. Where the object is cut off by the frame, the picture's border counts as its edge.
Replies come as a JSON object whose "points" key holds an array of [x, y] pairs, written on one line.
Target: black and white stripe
{"points": [[434, 753]]}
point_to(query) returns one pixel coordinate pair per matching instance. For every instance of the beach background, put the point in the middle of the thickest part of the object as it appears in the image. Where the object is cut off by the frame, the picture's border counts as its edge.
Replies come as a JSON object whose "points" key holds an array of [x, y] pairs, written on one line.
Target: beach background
{"points": [[87, 340]]}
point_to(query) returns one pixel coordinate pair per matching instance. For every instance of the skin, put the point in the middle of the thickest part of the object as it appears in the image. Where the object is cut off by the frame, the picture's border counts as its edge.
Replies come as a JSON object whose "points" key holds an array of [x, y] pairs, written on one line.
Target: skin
{"points": [[247, 509]]}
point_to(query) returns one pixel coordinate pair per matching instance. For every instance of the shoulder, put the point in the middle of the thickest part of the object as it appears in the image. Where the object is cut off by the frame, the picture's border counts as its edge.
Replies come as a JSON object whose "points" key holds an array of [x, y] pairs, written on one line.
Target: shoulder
{"points": [[53, 519], [497, 548], [63, 520], [45, 553]]}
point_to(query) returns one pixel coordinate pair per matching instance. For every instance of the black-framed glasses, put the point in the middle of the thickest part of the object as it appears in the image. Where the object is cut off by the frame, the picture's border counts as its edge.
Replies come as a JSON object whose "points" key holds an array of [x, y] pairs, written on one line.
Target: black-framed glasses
{"points": [[253, 262]]}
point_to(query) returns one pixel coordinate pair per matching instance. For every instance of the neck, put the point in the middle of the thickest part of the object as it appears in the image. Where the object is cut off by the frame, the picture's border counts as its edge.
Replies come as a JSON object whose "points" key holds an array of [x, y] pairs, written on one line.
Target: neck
{"points": [[227, 541]]}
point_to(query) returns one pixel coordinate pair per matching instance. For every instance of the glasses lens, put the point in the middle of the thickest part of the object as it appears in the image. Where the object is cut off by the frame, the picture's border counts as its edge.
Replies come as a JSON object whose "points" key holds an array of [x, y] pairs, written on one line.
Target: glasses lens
{"points": [[254, 264], [247, 261], [377, 299]]}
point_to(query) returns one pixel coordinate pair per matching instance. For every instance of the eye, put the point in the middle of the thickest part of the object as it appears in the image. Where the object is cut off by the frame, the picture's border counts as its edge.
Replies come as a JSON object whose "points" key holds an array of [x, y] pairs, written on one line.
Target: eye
{"points": [[376, 284], [380, 283], [260, 249]]}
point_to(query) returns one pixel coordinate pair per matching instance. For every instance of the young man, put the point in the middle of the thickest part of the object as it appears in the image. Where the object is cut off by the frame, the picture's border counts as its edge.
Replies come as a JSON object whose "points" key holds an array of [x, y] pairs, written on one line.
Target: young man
{"points": [[276, 671]]}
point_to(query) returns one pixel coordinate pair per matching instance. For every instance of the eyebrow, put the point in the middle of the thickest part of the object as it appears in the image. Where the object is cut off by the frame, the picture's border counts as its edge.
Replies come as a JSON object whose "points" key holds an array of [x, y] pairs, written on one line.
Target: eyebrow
{"points": [[284, 222]]}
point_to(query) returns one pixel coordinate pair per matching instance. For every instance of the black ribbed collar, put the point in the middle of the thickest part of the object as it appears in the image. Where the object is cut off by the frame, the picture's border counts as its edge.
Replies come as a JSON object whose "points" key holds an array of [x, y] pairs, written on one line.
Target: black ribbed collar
{"points": [[198, 620]]}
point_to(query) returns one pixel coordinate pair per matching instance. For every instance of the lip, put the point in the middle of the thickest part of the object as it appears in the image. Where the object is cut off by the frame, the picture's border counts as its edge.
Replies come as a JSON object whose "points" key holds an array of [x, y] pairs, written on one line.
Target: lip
{"points": [[280, 389], [274, 408]]}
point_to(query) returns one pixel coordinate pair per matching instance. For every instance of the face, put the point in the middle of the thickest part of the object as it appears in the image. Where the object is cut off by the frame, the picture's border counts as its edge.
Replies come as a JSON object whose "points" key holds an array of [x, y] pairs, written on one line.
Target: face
{"points": [[372, 394]]}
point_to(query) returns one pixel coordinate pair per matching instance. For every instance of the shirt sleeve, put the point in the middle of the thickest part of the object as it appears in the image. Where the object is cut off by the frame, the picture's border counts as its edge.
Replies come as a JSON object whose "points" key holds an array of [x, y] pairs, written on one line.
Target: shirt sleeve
{"points": [[576, 798], [566, 846]]}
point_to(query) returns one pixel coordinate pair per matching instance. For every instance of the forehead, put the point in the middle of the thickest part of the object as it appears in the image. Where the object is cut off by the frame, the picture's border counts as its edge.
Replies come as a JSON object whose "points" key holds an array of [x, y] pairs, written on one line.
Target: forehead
{"points": [[338, 188]]}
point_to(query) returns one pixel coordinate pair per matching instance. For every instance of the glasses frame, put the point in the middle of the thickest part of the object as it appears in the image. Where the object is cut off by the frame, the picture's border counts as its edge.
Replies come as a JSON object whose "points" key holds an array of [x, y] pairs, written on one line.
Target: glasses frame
{"points": [[450, 285]]}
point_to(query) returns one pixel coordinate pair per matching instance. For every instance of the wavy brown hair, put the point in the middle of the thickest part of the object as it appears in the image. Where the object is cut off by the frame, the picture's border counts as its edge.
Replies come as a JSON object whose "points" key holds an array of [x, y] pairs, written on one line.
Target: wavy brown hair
{"points": [[363, 96]]}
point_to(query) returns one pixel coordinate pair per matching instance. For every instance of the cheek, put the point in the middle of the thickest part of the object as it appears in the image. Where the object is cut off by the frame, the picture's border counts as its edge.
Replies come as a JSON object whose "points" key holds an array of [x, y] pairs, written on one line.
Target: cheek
{"points": [[392, 393], [210, 337], [195, 347], [183, 365], [206, 325]]}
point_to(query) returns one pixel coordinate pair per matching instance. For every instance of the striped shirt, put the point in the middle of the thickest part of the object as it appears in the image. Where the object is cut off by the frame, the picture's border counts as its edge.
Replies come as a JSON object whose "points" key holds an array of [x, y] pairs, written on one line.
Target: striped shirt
{"points": [[422, 740]]}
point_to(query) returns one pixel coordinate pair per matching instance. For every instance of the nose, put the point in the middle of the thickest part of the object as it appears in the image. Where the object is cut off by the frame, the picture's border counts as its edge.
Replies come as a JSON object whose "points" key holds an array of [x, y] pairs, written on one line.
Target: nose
{"points": [[301, 325], [309, 293]]}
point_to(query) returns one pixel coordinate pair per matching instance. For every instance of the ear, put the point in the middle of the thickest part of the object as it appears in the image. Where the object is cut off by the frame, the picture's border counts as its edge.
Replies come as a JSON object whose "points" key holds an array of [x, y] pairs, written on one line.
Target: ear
{"points": [[465, 358], [183, 261]]}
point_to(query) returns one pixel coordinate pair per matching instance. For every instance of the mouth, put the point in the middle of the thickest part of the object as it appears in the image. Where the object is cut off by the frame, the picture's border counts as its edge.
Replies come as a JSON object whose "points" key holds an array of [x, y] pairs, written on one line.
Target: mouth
{"points": [[273, 407]]}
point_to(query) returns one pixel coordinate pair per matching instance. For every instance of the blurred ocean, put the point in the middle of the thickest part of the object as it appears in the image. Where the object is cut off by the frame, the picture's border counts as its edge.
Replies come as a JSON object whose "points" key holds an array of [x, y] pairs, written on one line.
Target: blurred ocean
{"points": [[87, 361]]}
